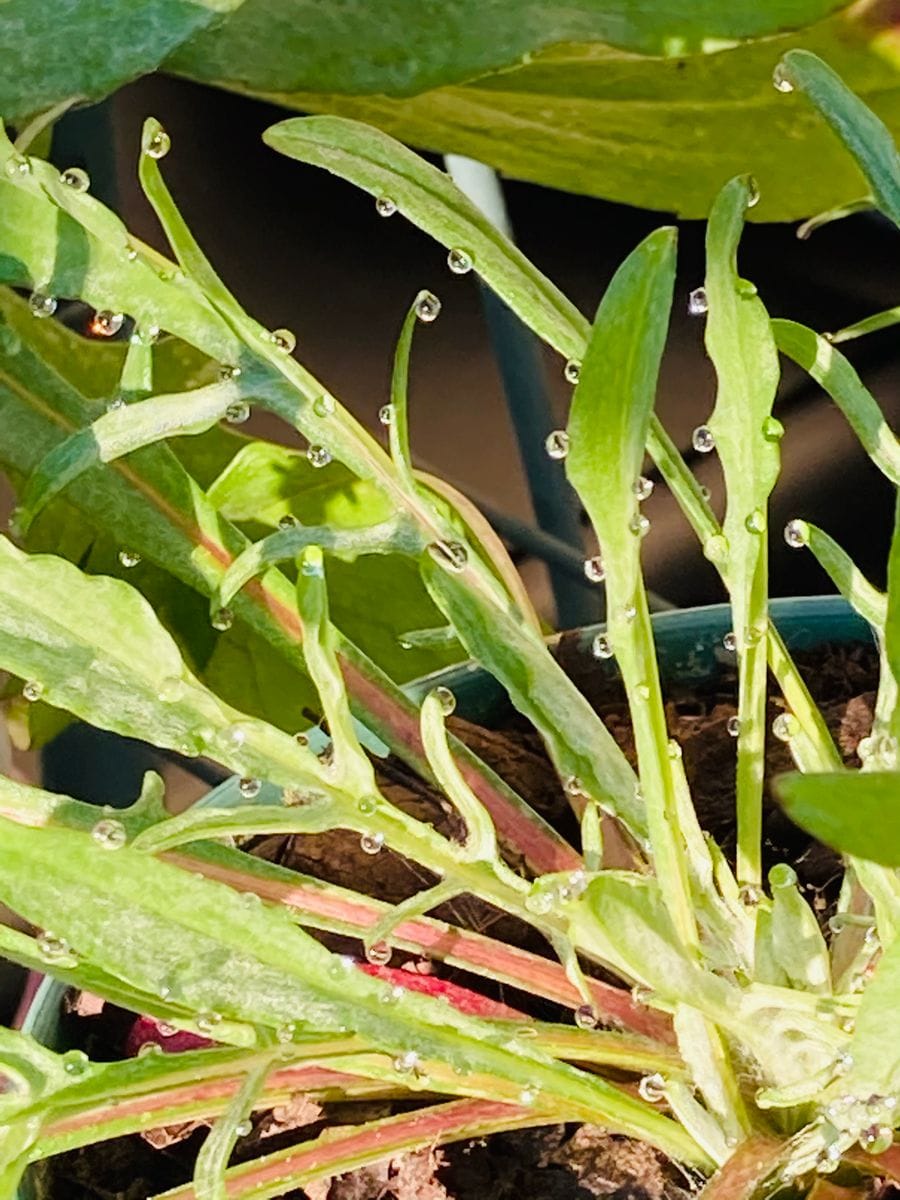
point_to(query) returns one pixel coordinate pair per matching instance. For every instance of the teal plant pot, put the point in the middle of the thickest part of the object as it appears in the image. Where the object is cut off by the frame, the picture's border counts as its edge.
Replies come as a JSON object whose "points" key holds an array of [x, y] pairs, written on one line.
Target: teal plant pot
{"points": [[689, 647]]}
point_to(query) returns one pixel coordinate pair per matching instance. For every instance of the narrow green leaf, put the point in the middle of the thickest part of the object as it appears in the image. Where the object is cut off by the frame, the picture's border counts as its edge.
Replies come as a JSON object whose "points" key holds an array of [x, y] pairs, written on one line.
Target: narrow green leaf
{"points": [[428, 197], [797, 942], [212, 1161], [816, 355], [865, 136], [880, 320], [741, 346], [867, 600], [838, 213], [853, 811], [120, 432]]}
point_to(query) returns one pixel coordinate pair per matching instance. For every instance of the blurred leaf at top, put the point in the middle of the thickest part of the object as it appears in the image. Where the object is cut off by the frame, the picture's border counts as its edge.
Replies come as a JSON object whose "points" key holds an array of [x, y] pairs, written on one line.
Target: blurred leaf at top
{"points": [[655, 104]]}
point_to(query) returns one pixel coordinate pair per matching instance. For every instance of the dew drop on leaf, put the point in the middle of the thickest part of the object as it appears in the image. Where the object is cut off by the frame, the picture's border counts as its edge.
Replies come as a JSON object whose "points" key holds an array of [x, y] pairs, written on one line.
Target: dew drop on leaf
{"points": [[780, 80], [222, 619], [729, 641], [557, 444], [601, 647], [41, 305], [585, 1017], [594, 571], [318, 456], [385, 206], [371, 843], [106, 323], [158, 144], [796, 534], [643, 488], [386, 414], [572, 370], [459, 261], [379, 953], [428, 307], [237, 413], [445, 699], [283, 340], [323, 406], [129, 558], [702, 440], [697, 302], [109, 834], [733, 725], [249, 788], [32, 690], [76, 179], [785, 726]]}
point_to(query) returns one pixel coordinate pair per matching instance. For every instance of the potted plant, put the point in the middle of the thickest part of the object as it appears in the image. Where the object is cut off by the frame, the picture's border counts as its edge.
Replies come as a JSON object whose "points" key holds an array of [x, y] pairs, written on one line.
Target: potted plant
{"points": [[714, 1020]]}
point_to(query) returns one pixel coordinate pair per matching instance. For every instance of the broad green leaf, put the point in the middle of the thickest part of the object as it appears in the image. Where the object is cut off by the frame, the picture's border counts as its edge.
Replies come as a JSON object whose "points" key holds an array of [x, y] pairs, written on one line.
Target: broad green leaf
{"points": [[740, 343], [832, 371], [854, 811], [54, 46], [663, 133], [275, 46], [865, 136]]}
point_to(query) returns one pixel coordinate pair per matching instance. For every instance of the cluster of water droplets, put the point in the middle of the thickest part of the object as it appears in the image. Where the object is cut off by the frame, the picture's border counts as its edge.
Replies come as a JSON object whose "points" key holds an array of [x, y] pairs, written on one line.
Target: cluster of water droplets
{"points": [[878, 751], [549, 893]]}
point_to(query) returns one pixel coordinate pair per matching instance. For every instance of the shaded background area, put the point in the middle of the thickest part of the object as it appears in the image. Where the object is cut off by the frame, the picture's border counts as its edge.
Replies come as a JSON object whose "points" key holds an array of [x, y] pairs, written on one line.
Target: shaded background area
{"points": [[305, 250]]}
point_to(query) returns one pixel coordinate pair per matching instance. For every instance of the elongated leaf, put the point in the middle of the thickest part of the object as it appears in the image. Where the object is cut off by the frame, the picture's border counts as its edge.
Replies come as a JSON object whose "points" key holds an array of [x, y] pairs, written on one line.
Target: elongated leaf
{"points": [[869, 602], [866, 137], [816, 355], [855, 812], [741, 346]]}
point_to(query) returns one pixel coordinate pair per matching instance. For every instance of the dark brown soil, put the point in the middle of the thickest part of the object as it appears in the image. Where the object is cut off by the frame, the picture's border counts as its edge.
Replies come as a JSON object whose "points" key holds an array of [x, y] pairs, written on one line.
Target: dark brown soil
{"points": [[555, 1162]]}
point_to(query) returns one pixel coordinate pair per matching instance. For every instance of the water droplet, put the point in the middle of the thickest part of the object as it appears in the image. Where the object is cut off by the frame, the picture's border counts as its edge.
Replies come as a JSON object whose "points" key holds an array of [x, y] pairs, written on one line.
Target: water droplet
{"points": [[249, 788], [427, 307], [652, 1088], [131, 254], [715, 548], [18, 165], [171, 689], [148, 1049], [601, 647], [285, 1033], [32, 690], [755, 521], [386, 414], [283, 340], [110, 834], [158, 144], [585, 1017], [301, 739], [750, 895], [673, 749], [702, 440], [593, 569], [367, 805], [222, 619], [406, 1062], [312, 565], [752, 192], [527, 1096], [772, 429], [323, 406], [55, 949], [796, 534], [629, 612], [318, 456], [705, 492], [459, 261], [729, 641], [642, 691], [557, 444], [643, 488], [228, 373], [75, 1062], [785, 726], [371, 843], [288, 521], [146, 334], [76, 179], [639, 525], [243, 1128], [41, 305], [379, 953], [129, 558], [876, 1139], [445, 699], [106, 323], [237, 413], [780, 80], [572, 370], [572, 786], [207, 1021], [385, 206], [733, 726], [698, 304], [452, 556]]}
